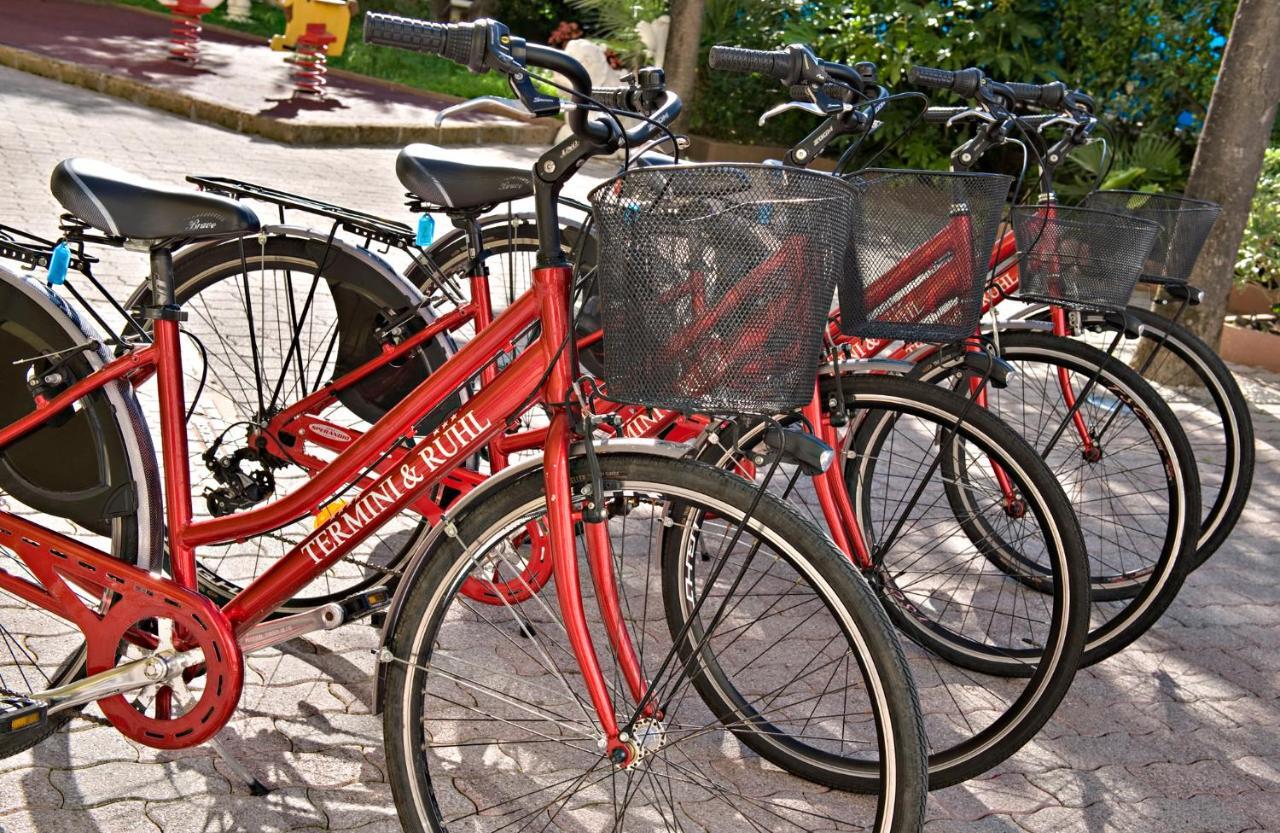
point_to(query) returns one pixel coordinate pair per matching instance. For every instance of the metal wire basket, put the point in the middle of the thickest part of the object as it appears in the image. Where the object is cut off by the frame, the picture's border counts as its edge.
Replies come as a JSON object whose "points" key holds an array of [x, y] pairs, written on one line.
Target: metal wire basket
{"points": [[716, 282], [1184, 223], [922, 247], [1080, 258]]}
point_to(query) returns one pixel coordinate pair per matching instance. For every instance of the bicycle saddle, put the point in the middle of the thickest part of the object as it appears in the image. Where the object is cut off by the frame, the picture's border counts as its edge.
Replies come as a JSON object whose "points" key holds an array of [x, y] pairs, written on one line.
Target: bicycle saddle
{"points": [[458, 184], [124, 205]]}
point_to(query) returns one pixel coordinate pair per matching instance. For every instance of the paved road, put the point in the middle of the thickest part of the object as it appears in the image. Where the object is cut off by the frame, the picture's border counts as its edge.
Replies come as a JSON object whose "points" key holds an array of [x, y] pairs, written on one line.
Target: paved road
{"points": [[1181, 733]]}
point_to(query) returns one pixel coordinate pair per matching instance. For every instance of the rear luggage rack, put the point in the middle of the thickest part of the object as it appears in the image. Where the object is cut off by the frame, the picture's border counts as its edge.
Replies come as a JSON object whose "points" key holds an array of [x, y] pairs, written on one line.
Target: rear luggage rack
{"points": [[370, 226], [28, 249]]}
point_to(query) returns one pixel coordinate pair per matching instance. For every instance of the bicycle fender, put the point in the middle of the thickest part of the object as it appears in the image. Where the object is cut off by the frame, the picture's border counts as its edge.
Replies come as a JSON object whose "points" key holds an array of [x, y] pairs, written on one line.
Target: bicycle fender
{"points": [[139, 455], [419, 559]]}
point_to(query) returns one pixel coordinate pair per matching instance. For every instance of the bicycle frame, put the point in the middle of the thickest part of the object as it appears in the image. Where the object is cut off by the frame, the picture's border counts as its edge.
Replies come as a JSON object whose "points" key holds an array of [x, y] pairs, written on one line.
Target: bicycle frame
{"points": [[418, 468]]}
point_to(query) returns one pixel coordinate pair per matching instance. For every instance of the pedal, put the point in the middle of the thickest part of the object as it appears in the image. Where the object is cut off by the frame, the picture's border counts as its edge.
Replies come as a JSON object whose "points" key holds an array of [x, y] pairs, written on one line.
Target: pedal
{"points": [[18, 713], [367, 603]]}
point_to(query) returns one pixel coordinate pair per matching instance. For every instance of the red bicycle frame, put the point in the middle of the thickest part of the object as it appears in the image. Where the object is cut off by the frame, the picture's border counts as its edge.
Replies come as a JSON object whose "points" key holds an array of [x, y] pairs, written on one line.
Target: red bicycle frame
{"points": [[398, 484]]}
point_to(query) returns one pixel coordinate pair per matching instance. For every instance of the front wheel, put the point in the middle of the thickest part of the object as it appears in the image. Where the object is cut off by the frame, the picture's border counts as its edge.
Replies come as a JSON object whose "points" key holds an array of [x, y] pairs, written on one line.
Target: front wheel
{"points": [[1130, 475], [991, 655], [1200, 389], [487, 721]]}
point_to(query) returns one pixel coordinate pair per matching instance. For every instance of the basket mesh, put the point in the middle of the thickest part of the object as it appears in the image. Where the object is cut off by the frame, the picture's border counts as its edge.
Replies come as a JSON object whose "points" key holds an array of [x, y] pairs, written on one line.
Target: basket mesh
{"points": [[922, 246], [1184, 227], [1078, 257], [716, 283]]}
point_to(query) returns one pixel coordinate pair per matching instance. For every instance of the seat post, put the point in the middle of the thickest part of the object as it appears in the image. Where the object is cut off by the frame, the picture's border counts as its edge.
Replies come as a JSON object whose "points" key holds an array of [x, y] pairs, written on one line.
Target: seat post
{"points": [[165, 315], [162, 289]]}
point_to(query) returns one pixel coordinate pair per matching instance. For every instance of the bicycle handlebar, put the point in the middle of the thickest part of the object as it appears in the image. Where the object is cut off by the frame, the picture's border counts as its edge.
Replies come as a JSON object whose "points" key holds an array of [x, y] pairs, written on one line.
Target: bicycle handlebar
{"points": [[942, 115], [486, 44], [794, 65], [1050, 95], [455, 41]]}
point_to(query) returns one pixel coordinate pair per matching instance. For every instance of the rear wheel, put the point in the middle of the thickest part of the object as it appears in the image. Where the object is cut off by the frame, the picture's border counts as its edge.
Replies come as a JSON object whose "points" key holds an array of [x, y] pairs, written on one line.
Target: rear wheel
{"points": [[271, 319], [91, 475]]}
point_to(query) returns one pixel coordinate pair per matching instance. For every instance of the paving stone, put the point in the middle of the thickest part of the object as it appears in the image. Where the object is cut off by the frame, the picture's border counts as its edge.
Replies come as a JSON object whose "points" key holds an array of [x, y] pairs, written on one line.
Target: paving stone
{"points": [[1201, 814], [27, 789], [118, 816], [287, 808], [1181, 733], [90, 785]]}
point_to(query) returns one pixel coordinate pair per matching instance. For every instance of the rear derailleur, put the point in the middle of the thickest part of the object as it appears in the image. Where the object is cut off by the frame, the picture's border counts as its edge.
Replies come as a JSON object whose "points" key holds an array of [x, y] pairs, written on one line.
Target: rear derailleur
{"points": [[240, 488]]}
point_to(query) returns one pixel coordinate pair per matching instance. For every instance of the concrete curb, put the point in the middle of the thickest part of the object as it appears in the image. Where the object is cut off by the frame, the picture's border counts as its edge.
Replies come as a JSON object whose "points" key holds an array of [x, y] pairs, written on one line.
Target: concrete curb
{"points": [[541, 131]]}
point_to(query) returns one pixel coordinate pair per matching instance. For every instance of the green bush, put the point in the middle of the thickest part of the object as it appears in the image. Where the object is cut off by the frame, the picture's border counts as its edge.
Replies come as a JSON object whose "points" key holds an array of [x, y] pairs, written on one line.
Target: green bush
{"points": [[1260, 249], [1150, 63]]}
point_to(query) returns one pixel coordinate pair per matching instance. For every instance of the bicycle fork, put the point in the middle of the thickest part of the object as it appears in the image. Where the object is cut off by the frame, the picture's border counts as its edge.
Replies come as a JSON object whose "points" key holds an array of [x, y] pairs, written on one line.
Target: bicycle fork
{"points": [[552, 285]]}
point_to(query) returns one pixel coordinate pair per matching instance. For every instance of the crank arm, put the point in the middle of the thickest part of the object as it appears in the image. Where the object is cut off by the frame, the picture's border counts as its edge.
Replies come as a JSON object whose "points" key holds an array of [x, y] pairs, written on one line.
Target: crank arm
{"points": [[140, 673], [273, 632]]}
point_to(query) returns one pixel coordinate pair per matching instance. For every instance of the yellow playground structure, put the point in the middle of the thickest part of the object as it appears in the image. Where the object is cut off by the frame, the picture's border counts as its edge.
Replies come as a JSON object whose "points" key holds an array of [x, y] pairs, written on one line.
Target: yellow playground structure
{"points": [[303, 15]]}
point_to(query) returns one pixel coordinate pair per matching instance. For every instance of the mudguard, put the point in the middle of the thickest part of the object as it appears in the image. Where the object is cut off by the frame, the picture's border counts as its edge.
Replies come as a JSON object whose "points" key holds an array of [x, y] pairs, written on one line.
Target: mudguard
{"points": [[95, 465]]}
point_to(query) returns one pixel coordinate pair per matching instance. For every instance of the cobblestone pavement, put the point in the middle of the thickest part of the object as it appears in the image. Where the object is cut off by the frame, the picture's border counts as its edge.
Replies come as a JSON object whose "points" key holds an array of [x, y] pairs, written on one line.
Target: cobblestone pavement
{"points": [[1180, 733], [238, 82]]}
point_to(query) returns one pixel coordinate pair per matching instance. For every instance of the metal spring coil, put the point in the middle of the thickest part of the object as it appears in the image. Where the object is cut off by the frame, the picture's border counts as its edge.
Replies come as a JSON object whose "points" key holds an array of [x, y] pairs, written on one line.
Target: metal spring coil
{"points": [[184, 38], [311, 64]]}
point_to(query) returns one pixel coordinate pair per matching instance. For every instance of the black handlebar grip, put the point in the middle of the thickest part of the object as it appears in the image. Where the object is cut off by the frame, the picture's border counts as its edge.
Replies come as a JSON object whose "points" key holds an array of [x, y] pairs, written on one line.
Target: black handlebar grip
{"points": [[455, 41], [942, 115], [964, 82], [934, 79], [404, 33], [614, 98], [736, 59], [460, 45], [1050, 96]]}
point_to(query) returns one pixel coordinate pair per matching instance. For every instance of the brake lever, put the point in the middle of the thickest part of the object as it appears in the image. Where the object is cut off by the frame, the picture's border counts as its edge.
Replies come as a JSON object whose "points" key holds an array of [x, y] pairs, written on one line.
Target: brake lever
{"points": [[971, 113], [806, 106], [509, 106], [1058, 119]]}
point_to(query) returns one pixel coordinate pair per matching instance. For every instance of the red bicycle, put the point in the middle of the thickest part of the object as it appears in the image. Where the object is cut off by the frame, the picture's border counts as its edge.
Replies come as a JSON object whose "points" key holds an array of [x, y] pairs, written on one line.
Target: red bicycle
{"points": [[498, 710], [1002, 662]]}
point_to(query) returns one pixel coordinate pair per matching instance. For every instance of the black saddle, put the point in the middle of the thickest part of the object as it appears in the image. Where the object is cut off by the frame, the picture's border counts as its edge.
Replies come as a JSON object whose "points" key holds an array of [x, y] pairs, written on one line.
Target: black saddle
{"points": [[124, 205], [458, 184]]}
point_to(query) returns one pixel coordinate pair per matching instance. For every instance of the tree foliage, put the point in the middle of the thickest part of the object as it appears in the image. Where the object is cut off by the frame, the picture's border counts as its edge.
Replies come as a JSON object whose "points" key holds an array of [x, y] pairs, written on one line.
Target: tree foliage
{"points": [[1260, 250], [1150, 63]]}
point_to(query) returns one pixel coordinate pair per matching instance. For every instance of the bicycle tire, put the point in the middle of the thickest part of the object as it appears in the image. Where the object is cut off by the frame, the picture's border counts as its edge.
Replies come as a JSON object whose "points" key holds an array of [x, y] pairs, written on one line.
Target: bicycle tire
{"points": [[1143, 594], [959, 750], [682, 483], [107, 433], [1223, 497], [364, 290]]}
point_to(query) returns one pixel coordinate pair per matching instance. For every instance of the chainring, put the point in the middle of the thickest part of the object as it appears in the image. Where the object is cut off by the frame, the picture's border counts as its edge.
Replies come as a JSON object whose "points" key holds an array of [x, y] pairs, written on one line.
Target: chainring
{"points": [[70, 572]]}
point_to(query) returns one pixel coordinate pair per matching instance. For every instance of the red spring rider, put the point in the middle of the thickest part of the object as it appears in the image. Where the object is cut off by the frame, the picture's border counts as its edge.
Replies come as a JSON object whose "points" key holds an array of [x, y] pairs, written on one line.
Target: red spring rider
{"points": [[184, 35], [310, 61]]}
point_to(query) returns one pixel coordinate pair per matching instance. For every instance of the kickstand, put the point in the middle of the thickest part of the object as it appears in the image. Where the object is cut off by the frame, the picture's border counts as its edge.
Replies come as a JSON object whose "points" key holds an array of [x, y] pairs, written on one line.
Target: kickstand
{"points": [[242, 772]]}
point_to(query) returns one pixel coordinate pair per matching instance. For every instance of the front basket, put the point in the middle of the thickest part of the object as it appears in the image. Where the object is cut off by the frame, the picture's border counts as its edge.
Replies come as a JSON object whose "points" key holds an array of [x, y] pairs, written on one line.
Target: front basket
{"points": [[716, 283], [1080, 258]]}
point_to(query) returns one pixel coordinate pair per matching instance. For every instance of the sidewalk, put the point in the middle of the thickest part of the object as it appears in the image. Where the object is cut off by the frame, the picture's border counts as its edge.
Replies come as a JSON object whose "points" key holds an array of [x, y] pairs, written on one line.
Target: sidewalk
{"points": [[239, 83], [1179, 734]]}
